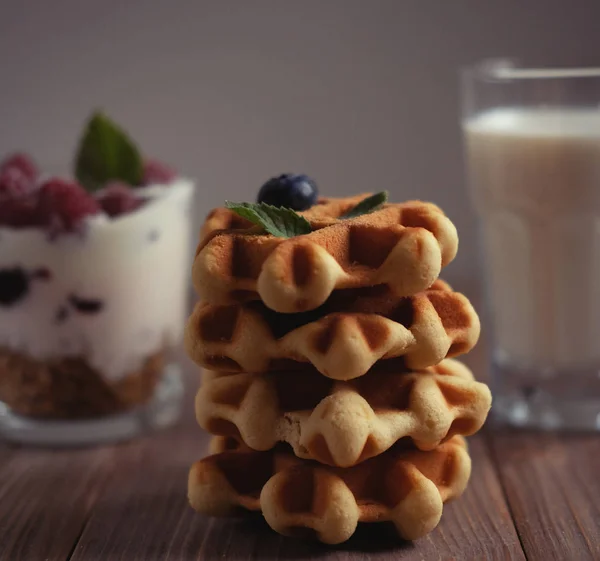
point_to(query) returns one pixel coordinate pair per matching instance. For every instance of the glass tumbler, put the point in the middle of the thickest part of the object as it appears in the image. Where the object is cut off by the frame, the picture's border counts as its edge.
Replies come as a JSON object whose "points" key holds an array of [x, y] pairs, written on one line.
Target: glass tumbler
{"points": [[532, 141], [91, 321]]}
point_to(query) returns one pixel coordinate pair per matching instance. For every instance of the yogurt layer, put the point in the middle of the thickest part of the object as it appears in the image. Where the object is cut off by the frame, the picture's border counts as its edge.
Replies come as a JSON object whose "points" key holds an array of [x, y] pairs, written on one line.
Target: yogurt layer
{"points": [[114, 294]]}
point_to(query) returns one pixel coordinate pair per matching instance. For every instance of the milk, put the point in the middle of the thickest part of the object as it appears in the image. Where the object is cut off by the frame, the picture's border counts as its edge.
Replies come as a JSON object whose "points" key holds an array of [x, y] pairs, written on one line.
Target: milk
{"points": [[535, 176]]}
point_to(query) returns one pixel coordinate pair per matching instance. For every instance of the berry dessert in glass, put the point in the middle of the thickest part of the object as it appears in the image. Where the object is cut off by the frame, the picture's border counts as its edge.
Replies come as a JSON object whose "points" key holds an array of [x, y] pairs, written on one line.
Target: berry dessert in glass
{"points": [[93, 292]]}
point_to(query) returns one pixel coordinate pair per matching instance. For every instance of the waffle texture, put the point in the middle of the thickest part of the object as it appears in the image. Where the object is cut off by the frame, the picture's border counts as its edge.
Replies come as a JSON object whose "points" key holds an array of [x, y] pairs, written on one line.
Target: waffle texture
{"points": [[343, 338], [403, 246], [344, 423], [406, 487], [329, 385]]}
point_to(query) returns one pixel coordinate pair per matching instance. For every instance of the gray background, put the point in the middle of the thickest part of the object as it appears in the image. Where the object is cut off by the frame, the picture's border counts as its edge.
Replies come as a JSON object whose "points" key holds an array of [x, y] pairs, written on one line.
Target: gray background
{"points": [[362, 95]]}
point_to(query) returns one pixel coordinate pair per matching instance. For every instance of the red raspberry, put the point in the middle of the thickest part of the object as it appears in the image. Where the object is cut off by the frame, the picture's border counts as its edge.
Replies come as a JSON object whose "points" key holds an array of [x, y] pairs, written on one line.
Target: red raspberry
{"points": [[64, 204], [157, 172], [20, 212], [118, 198], [17, 175], [23, 163], [14, 183]]}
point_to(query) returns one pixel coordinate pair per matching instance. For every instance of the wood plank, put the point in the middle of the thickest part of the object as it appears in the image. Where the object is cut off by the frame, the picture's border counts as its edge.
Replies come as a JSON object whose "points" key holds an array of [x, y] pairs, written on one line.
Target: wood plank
{"points": [[143, 516], [552, 484], [45, 498], [6, 452]]}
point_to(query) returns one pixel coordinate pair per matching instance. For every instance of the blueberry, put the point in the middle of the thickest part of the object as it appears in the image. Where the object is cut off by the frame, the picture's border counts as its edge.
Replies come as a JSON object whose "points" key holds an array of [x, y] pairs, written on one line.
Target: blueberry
{"points": [[295, 191], [86, 305], [14, 285]]}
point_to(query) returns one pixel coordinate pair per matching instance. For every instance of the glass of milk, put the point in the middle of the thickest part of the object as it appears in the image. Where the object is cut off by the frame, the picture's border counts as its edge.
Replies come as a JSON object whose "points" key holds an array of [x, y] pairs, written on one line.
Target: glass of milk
{"points": [[532, 141]]}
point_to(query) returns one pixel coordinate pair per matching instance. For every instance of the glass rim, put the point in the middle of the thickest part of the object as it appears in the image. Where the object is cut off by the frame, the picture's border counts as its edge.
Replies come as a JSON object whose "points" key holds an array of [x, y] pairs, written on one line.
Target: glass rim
{"points": [[508, 70]]}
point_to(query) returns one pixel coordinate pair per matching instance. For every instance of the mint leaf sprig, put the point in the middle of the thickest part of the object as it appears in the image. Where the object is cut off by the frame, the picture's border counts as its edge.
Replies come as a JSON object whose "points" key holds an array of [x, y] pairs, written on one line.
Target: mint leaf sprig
{"points": [[279, 221], [106, 153], [284, 222], [368, 205]]}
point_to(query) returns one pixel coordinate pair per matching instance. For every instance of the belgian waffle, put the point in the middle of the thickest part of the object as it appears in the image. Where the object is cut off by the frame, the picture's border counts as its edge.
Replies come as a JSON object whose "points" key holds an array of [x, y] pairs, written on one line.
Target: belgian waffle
{"points": [[403, 246], [218, 444], [344, 423], [406, 487], [343, 338]]}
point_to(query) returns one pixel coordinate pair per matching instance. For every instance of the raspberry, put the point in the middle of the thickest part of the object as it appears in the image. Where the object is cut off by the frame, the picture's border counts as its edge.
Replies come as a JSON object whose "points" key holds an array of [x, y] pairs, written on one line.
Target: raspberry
{"points": [[21, 162], [64, 204], [117, 199], [14, 183], [157, 172], [20, 212]]}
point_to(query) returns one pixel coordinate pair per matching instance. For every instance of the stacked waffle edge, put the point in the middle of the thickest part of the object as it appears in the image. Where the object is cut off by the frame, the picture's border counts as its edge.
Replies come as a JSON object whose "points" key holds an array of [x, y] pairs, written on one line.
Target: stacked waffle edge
{"points": [[328, 379]]}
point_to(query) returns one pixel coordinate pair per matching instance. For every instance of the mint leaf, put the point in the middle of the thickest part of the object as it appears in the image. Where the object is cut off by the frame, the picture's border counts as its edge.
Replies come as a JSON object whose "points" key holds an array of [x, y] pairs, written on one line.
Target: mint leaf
{"points": [[106, 153], [278, 221], [367, 205]]}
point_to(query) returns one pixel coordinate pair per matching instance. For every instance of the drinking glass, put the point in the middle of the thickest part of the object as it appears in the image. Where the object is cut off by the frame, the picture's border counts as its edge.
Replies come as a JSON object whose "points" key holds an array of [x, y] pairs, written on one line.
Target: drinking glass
{"points": [[532, 141], [91, 323]]}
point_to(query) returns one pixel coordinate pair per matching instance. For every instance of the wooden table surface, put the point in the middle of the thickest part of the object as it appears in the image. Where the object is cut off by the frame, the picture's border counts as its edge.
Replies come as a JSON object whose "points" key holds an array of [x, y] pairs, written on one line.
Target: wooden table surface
{"points": [[531, 496]]}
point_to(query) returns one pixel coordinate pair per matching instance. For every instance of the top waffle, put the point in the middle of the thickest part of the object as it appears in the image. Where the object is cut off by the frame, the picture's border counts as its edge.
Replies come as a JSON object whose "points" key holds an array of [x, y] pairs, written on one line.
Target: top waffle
{"points": [[403, 246]]}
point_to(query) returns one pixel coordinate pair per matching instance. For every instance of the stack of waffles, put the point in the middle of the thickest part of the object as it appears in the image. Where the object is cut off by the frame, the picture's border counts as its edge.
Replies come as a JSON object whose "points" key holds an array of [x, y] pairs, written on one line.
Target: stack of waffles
{"points": [[328, 380]]}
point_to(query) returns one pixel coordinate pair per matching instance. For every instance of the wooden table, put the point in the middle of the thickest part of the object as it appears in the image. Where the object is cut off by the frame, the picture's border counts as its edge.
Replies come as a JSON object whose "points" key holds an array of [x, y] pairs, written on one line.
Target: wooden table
{"points": [[531, 496]]}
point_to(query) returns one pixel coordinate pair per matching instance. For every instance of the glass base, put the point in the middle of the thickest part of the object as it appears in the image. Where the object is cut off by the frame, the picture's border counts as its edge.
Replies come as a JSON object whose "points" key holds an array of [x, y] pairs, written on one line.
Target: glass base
{"points": [[546, 399], [162, 411]]}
